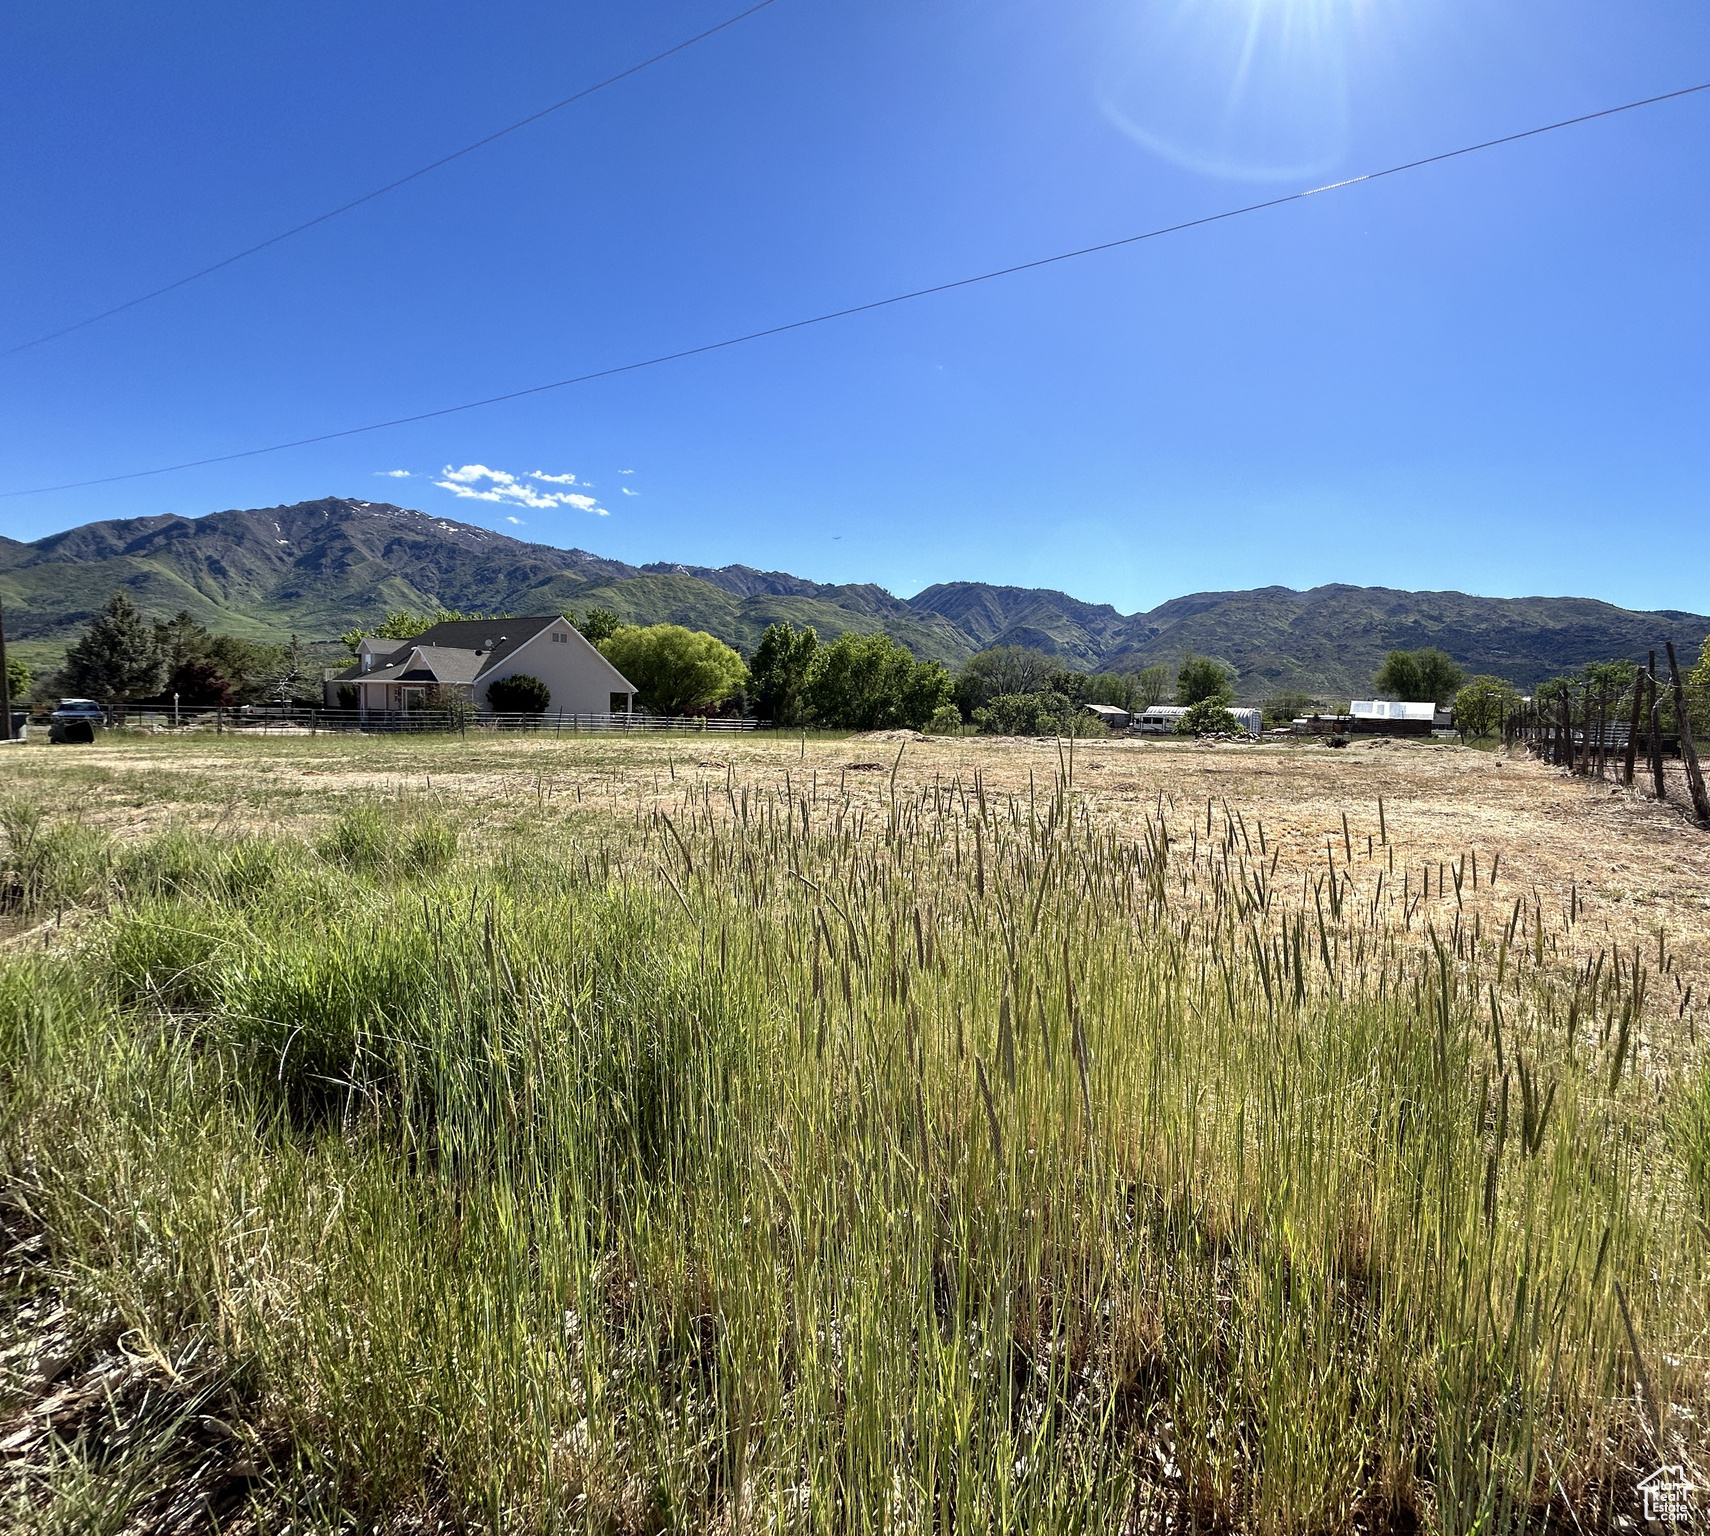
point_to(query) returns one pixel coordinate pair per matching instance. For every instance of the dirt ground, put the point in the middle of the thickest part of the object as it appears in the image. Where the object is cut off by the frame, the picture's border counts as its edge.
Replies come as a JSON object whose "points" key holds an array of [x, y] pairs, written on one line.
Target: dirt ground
{"points": [[1625, 868]]}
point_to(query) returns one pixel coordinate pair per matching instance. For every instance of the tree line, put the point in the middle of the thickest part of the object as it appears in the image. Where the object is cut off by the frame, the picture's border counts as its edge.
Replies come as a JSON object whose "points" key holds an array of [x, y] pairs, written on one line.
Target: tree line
{"points": [[796, 680], [124, 657], [1482, 705]]}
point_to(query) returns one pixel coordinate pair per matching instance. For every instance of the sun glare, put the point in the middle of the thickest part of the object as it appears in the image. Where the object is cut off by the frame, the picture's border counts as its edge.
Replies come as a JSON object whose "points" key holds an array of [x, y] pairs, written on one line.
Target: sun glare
{"points": [[1249, 89]]}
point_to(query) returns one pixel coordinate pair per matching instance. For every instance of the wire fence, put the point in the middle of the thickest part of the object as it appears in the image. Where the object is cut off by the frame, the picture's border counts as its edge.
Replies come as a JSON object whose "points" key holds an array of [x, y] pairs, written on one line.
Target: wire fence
{"points": [[1620, 728], [293, 720]]}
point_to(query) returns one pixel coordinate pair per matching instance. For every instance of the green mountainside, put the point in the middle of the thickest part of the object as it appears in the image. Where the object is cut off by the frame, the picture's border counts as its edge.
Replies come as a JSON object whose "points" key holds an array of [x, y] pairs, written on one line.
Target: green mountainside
{"points": [[319, 568]]}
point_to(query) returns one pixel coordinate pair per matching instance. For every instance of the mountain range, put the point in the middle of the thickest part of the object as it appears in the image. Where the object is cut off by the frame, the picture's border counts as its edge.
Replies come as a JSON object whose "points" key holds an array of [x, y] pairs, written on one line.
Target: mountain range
{"points": [[319, 568]]}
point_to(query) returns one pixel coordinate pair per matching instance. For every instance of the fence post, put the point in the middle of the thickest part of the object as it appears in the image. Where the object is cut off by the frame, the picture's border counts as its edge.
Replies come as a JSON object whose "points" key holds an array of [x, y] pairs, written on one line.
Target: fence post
{"points": [[1633, 729], [1688, 752], [1656, 734]]}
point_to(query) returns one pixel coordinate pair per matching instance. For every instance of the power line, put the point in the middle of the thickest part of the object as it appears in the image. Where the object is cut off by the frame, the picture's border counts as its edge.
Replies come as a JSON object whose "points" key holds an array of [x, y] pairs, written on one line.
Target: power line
{"points": [[873, 304], [391, 186]]}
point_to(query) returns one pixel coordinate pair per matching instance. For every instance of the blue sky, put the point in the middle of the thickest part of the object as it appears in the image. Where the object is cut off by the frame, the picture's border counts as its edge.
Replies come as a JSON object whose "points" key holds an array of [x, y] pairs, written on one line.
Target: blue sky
{"points": [[1487, 375]]}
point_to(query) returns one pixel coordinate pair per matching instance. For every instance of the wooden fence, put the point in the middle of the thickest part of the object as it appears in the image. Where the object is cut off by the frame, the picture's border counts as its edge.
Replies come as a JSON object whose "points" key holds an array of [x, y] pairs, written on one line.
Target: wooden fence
{"points": [[1600, 732]]}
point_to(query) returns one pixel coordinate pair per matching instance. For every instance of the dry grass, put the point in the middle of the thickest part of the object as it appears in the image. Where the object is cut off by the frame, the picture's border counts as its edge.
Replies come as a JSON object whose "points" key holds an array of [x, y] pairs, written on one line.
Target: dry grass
{"points": [[639, 1134], [1632, 868]]}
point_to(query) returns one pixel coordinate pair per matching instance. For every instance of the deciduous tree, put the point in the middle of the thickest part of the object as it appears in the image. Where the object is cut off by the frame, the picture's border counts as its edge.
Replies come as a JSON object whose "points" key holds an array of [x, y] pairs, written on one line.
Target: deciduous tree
{"points": [[1200, 678], [1013, 669], [780, 670], [198, 681], [1043, 713], [1288, 704], [288, 681], [1482, 705], [404, 625], [1424, 676], [194, 655], [598, 625], [676, 671], [1697, 692], [1132, 691], [870, 683]]}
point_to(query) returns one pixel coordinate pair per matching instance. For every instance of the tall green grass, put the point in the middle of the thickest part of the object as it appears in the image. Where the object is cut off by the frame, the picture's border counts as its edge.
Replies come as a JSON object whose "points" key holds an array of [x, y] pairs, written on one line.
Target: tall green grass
{"points": [[773, 1162]]}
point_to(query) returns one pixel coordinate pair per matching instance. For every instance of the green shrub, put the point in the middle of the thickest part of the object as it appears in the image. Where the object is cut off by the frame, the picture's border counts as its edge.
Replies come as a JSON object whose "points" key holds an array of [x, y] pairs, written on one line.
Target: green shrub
{"points": [[1209, 717], [520, 694], [1027, 714], [946, 721]]}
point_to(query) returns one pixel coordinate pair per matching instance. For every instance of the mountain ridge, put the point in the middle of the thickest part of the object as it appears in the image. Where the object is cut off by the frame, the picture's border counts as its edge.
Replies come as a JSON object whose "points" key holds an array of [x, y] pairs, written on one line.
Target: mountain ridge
{"points": [[321, 567]]}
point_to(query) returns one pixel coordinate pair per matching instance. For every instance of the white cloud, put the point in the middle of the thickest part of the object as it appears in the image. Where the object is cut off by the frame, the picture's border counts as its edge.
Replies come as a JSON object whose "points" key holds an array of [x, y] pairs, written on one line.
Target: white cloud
{"points": [[627, 491], [517, 520], [476, 482], [626, 471], [394, 474]]}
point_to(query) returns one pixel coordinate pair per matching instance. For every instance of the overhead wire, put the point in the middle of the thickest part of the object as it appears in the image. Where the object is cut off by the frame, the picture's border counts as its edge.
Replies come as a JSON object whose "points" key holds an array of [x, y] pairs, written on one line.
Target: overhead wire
{"points": [[875, 304], [391, 186]]}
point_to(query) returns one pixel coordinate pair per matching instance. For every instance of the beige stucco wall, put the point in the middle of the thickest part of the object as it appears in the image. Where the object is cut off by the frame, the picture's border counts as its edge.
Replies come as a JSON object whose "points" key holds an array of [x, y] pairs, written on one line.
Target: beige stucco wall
{"points": [[581, 679]]}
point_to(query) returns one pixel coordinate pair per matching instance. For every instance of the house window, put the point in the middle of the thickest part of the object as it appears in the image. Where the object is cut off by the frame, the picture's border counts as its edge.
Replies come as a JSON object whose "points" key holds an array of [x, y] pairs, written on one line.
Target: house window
{"points": [[560, 638]]}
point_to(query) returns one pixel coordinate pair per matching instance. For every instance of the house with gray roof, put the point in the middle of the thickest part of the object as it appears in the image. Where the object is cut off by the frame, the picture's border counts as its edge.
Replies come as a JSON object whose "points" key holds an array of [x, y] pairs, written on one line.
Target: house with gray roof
{"points": [[467, 656]]}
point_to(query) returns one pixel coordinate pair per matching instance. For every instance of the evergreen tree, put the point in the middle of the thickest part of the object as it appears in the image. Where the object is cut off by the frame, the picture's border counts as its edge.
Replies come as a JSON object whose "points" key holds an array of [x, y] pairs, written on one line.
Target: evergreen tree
{"points": [[117, 657]]}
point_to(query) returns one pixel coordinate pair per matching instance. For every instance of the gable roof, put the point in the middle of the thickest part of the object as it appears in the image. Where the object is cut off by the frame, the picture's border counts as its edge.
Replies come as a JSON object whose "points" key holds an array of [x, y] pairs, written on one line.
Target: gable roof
{"points": [[491, 639], [428, 664], [457, 650], [464, 651]]}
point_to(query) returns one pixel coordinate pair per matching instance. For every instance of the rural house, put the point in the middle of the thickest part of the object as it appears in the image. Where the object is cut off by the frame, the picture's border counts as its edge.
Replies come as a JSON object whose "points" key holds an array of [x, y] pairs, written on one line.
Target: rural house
{"points": [[467, 656]]}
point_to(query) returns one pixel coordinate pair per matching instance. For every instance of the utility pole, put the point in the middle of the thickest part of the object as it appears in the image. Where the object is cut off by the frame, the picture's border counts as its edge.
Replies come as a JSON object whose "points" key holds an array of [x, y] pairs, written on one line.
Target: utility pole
{"points": [[5, 687]]}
